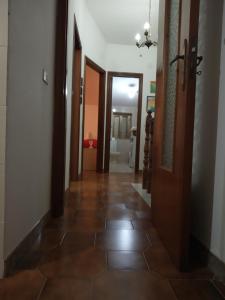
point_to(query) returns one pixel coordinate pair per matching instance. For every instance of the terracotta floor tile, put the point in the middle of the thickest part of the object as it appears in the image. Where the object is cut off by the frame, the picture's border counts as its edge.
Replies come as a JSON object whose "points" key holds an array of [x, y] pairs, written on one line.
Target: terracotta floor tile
{"points": [[132, 286], [81, 264], [118, 225], [23, 286], [67, 289], [122, 240], [85, 213], [142, 224], [117, 213], [108, 245], [78, 241], [195, 290], [90, 204], [146, 215], [87, 225], [126, 260]]}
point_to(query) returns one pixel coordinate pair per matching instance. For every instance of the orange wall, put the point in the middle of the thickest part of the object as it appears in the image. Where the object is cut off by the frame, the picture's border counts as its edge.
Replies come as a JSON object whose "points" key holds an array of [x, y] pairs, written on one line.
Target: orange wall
{"points": [[91, 103]]}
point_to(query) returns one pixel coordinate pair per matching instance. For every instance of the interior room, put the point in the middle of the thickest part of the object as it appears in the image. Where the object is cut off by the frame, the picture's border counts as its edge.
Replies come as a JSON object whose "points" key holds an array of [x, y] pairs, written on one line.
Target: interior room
{"points": [[91, 109], [124, 124], [109, 233]]}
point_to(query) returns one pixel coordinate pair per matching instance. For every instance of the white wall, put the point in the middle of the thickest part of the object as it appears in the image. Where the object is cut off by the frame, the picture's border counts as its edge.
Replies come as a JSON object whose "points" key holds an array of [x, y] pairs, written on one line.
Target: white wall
{"points": [[29, 117], [94, 46], [3, 107], [206, 114], [218, 224], [122, 58]]}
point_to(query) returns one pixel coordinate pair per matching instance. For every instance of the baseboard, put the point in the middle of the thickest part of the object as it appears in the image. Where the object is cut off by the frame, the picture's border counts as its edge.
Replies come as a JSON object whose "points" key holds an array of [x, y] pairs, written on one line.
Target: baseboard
{"points": [[1, 269], [14, 258], [205, 257]]}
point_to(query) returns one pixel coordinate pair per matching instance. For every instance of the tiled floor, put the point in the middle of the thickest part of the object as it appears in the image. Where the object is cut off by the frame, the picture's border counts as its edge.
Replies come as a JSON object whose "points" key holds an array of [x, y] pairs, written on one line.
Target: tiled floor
{"points": [[119, 167], [105, 248]]}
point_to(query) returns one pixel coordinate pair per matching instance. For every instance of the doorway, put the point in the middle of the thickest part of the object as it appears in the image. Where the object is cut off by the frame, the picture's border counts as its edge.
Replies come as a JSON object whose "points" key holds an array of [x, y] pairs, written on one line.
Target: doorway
{"points": [[122, 146], [93, 117]]}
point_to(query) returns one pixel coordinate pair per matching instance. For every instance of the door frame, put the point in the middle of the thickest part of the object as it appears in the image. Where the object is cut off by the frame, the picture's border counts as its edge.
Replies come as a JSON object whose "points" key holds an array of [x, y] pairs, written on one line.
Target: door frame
{"points": [[109, 116], [59, 117], [76, 102], [101, 112]]}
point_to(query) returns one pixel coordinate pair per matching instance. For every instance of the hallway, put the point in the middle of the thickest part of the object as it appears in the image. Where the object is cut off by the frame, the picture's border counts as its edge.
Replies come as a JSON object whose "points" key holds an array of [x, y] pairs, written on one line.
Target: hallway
{"points": [[105, 247]]}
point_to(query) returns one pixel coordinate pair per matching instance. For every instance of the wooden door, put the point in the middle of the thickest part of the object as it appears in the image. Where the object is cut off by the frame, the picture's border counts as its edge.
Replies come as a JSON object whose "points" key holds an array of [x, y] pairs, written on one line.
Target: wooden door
{"points": [[174, 123]]}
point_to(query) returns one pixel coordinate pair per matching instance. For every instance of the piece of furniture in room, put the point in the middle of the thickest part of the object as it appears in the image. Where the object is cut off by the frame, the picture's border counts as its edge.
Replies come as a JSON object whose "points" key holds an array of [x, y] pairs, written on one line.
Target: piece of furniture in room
{"points": [[90, 159], [90, 155], [147, 169]]}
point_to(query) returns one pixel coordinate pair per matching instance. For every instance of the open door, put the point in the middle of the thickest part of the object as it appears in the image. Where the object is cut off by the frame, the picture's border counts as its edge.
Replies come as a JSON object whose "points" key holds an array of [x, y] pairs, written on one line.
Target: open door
{"points": [[173, 134]]}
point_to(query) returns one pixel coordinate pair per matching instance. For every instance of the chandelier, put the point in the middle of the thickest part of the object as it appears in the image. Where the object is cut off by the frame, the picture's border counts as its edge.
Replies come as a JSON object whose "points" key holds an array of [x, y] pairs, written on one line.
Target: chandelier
{"points": [[147, 33]]}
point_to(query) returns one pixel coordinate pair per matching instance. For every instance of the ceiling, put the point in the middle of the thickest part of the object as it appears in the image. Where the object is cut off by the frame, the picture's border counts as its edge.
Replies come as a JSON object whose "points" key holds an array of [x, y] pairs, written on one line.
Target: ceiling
{"points": [[120, 20], [125, 91]]}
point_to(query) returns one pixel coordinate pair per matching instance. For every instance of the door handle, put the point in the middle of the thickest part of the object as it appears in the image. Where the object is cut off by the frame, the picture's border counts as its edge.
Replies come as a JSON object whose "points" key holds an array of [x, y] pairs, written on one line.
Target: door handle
{"points": [[183, 57], [176, 59]]}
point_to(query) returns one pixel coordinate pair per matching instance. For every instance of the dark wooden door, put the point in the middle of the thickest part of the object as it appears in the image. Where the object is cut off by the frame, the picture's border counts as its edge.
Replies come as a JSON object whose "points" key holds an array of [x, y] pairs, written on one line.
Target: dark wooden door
{"points": [[174, 123]]}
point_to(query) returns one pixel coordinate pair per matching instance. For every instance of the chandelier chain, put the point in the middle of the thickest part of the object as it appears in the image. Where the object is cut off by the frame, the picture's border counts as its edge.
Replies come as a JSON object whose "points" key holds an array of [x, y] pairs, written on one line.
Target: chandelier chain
{"points": [[150, 8]]}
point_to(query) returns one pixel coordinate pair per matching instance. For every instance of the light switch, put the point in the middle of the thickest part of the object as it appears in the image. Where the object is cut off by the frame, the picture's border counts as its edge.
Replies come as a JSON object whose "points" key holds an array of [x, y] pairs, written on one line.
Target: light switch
{"points": [[45, 76]]}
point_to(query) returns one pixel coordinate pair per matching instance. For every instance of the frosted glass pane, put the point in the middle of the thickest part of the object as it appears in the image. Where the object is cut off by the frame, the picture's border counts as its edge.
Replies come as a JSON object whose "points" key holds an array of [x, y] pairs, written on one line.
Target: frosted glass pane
{"points": [[171, 84]]}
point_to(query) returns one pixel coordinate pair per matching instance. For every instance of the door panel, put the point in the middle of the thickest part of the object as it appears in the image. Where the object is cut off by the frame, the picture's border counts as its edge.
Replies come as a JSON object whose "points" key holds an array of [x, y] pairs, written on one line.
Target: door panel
{"points": [[171, 83], [173, 135]]}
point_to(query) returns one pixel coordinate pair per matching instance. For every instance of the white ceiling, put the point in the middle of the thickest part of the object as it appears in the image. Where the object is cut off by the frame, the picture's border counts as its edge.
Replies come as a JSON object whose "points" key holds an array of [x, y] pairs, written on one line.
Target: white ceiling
{"points": [[125, 91], [120, 20]]}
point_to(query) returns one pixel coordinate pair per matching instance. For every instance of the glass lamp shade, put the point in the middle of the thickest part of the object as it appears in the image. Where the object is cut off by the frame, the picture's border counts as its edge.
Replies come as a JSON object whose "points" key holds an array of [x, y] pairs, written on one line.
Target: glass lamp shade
{"points": [[146, 26], [138, 37]]}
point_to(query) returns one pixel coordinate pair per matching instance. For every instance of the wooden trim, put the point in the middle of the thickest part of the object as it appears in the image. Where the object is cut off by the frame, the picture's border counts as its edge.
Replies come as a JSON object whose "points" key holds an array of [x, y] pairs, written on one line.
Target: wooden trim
{"points": [[18, 254], [122, 114], [138, 138], [108, 122], [101, 113], [75, 115], [108, 116], [59, 125]]}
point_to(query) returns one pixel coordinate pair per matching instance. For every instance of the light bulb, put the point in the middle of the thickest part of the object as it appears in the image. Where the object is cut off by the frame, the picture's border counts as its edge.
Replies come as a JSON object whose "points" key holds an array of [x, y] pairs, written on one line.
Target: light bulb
{"points": [[146, 26], [114, 110], [138, 37]]}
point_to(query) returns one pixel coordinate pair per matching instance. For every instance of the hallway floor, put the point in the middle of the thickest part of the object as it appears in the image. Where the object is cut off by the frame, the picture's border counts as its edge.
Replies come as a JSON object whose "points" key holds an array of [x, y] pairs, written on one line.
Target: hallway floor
{"points": [[105, 248], [115, 167]]}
